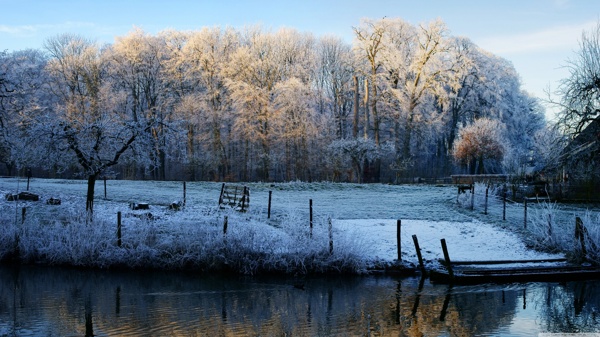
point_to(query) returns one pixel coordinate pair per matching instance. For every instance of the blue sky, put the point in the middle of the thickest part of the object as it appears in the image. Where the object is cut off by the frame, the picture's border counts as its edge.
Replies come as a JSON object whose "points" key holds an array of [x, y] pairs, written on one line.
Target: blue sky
{"points": [[537, 36]]}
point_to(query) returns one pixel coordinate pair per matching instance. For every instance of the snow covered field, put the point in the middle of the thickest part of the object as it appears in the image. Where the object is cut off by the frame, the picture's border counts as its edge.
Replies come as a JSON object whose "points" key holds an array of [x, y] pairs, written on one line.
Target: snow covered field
{"points": [[363, 226]]}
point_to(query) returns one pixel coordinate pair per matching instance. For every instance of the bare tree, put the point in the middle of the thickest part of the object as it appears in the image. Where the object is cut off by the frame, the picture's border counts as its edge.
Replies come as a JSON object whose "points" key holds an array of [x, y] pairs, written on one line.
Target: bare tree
{"points": [[89, 123], [580, 91]]}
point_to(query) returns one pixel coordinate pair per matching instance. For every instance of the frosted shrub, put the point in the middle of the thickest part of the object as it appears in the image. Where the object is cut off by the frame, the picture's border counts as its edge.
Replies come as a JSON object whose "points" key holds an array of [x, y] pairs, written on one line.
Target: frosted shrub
{"points": [[249, 246], [550, 234], [545, 233], [8, 234], [494, 192], [80, 242], [591, 222]]}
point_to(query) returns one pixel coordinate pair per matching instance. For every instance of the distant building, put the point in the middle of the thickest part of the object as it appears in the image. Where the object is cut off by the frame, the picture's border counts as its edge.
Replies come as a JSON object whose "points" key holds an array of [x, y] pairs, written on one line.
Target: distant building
{"points": [[579, 165]]}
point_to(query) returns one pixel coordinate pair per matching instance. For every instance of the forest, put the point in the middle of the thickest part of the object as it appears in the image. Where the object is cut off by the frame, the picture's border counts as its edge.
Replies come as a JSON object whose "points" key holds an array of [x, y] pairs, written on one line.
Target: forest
{"points": [[400, 102]]}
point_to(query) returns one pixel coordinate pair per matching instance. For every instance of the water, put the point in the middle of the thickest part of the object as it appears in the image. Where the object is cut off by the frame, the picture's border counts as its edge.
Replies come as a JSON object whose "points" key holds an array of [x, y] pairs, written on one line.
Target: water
{"points": [[51, 301]]}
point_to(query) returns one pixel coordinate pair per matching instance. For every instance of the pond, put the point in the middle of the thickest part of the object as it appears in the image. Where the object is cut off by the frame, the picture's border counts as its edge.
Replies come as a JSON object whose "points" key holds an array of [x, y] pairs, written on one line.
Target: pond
{"points": [[53, 301]]}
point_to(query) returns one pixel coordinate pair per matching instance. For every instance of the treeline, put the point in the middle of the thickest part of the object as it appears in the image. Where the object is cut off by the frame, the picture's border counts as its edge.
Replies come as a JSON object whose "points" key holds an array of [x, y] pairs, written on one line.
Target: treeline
{"points": [[252, 104]]}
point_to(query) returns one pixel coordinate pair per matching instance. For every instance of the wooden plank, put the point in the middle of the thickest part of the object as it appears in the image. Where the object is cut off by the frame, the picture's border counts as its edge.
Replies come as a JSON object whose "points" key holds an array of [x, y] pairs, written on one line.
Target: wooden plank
{"points": [[528, 276], [487, 262]]}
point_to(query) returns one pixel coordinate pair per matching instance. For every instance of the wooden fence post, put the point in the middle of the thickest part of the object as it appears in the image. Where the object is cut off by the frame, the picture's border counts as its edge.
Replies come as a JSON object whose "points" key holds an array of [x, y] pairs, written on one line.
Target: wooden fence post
{"points": [[504, 206], [447, 258], [28, 177], [472, 196], [525, 214], [330, 237], [221, 195], [244, 192], [457, 193], [310, 206], [225, 226], [269, 208], [399, 238], [119, 229], [486, 200], [419, 256]]}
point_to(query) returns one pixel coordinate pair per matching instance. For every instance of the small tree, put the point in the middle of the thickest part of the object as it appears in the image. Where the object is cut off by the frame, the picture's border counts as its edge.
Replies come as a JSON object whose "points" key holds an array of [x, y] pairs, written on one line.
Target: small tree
{"points": [[479, 142], [90, 122], [357, 150]]}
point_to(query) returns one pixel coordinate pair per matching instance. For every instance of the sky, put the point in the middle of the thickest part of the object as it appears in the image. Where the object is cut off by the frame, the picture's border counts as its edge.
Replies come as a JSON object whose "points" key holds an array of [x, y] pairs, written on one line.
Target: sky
{"points": [[538, 36]]}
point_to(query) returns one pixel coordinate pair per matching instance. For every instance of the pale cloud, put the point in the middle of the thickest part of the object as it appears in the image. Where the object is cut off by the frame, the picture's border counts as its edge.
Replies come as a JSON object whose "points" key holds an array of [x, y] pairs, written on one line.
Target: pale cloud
{"points": [[564, 38], [18, 30], [561, 3], [31, 30]]}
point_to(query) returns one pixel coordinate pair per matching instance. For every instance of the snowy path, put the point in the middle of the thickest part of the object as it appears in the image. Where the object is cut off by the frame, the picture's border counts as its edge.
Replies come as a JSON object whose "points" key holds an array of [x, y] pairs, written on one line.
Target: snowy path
{"points": [[466, 241]]}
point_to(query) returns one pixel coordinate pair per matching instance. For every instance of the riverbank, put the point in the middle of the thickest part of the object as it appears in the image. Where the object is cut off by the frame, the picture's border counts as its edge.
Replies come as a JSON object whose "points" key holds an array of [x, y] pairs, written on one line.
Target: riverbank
{"points": [[203, 237]]}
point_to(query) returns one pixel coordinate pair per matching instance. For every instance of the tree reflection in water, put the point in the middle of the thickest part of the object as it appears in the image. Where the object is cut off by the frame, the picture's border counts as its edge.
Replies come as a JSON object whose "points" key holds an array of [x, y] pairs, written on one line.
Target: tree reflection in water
{"points": [[570, 307], [56, 301]]}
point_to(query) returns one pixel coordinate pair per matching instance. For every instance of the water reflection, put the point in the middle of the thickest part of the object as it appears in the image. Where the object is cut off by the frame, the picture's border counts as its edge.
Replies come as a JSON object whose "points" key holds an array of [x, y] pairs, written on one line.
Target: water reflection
{"points": [[68, 302]]}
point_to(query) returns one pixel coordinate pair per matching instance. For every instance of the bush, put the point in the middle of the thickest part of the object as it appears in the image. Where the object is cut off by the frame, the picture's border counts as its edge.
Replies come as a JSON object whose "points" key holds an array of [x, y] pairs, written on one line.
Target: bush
{"points": [[547, 233], [249, 247], [493, 191]]}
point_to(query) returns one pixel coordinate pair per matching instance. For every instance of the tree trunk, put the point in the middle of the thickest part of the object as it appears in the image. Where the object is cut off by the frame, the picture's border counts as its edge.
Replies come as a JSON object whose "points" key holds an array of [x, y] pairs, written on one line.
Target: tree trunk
{"points": [[472, 165], [480, 169], [356, 106], [89, 201], [366, 104], [9, 168]]}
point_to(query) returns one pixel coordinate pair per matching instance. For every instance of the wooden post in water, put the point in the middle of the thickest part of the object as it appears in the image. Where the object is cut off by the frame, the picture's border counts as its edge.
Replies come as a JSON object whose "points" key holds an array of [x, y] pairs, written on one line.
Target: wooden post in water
{"points": [[580, 235], [310, 206], [447, 258], [23, 211], [399, 238], [419, 256], [525, 214], [225, 226], [119, 229], [269, 208], [104, 187], [184, 193]]}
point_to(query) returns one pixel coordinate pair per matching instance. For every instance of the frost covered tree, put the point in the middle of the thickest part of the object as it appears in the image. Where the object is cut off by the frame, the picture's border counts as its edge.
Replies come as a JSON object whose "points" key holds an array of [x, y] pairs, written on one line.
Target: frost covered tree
{"points": [[253, 71], [359, 151], [205, 108], [22, 101], [334, 73], [136, 66], [415, 63], [369, 42], [579, 116], [253, 104], [90, 123], [479, 142]]}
